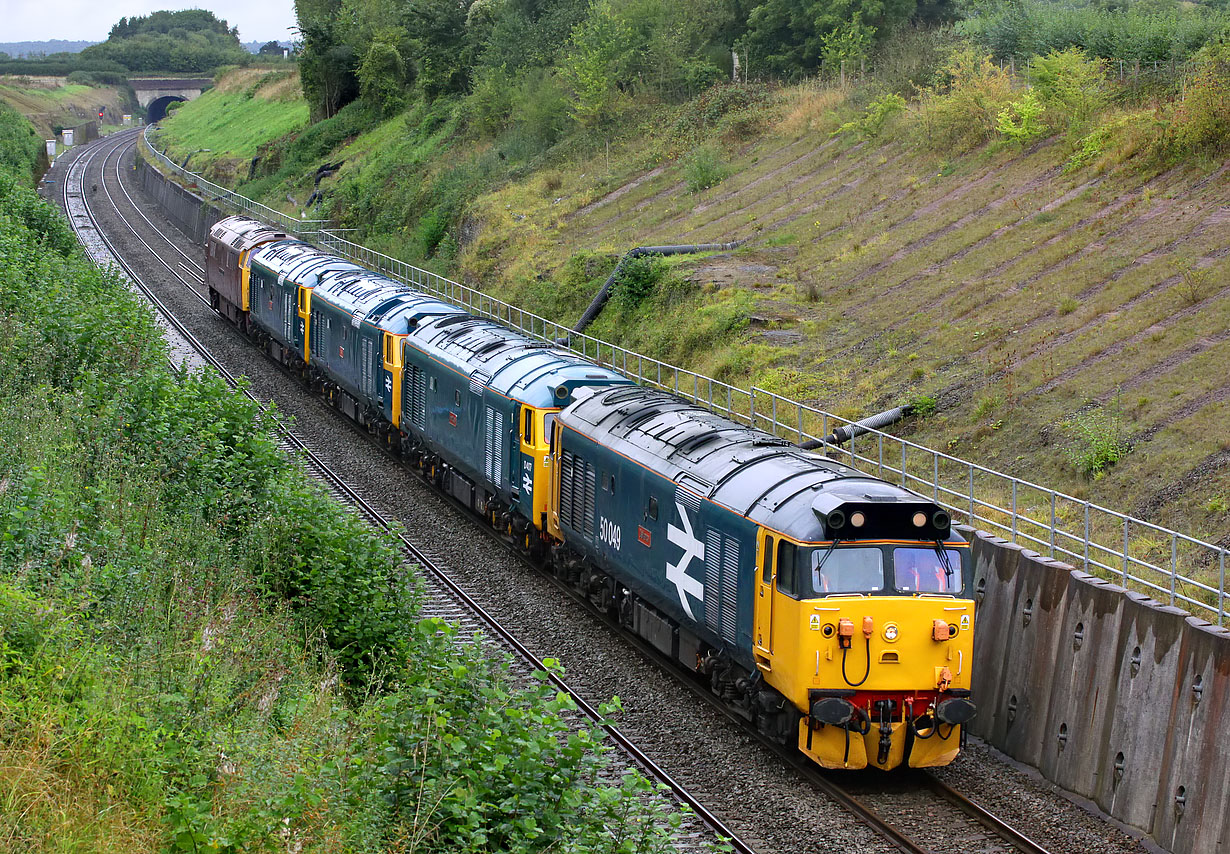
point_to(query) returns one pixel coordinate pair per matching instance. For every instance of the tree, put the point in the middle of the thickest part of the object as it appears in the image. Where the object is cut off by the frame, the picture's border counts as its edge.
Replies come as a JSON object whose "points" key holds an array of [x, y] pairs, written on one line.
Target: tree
{"points": [[600, 53], [790, 37]]}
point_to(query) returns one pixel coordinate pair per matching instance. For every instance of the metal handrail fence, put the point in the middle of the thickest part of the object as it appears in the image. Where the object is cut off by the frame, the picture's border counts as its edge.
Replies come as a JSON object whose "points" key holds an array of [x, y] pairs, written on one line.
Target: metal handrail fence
{"points": [[1139, 554]]}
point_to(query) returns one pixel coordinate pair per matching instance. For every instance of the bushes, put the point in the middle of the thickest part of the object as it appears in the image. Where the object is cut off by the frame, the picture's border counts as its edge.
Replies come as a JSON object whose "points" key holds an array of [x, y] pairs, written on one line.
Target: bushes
{"points": [[962, 110], [178, 606], [1201, 121], [703, 169], [1024, 28], [1097, 440]]}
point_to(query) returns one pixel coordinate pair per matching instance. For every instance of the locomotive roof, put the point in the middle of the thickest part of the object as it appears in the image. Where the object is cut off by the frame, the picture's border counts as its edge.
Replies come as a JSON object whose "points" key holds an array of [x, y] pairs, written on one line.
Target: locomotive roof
{"points": [[241, 232], [352, 289], [760, 476], [509, 362]]}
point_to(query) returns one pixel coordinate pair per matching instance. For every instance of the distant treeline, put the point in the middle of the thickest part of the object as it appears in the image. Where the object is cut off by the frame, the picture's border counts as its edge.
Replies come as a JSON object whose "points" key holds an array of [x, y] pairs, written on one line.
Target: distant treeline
{"points": [[191, 41], [17, 50], [507, 55]]}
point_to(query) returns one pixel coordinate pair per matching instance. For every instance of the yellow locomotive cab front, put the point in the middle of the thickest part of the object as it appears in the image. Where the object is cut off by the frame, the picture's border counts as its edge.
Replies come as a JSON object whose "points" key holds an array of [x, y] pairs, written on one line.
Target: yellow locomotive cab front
{"points": [[873, 643]]}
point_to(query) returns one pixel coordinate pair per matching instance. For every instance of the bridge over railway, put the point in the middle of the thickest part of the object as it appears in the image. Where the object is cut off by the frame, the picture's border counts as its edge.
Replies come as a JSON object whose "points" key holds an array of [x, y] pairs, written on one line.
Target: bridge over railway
{"points": [[155, 94]]}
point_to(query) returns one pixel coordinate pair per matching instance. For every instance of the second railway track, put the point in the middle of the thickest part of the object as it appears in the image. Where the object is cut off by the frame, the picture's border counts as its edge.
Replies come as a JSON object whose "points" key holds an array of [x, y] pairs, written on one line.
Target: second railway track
{"points": [[776, 808]]}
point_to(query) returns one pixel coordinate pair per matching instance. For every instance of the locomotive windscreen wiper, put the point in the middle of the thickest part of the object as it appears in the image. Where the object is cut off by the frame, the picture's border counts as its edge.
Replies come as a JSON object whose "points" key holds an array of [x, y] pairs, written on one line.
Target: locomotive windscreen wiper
{"points": [[945, 562]]}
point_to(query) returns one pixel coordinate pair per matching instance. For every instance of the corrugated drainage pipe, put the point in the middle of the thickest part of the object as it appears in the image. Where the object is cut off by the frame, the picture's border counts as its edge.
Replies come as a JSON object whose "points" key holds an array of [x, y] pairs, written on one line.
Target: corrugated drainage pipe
{"points": [[604, 293], [874, 422]]}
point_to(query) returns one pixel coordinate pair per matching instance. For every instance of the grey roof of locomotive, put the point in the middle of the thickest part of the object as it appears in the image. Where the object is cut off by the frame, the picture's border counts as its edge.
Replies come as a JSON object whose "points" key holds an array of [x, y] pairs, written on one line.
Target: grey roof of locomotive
{"points": [[748, 471]]}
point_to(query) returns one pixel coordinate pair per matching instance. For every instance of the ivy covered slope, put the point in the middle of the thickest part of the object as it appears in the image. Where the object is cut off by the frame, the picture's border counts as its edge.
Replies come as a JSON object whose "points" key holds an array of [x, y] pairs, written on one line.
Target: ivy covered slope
{"points": [[199, 650]]}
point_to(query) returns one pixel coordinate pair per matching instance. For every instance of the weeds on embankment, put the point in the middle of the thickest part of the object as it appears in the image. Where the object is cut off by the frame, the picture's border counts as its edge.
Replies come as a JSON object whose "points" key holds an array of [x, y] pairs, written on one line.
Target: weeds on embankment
{"points": [[201, 651]]}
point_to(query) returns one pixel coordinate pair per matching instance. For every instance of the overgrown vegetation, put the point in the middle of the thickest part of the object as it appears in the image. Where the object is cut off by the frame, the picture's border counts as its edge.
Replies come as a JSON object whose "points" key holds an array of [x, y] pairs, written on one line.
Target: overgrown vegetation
{"points": [[1097, 440], [199, 651]]}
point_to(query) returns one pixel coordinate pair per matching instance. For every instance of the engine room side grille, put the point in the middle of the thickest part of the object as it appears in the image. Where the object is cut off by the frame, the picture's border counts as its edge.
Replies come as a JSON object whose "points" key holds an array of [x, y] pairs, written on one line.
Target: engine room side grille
{"points": [[577, 494], [721, 583], [495, 447], [367, 369], [414, 405]]}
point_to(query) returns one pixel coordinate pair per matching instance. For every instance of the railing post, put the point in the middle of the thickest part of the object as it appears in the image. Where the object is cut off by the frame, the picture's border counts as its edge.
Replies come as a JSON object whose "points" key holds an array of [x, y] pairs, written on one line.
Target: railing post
{"points": [[1014, 485], [1221, 589], [1086, 535], [971, 495], [1174, 565], [1125, 551], [1052, 524]]}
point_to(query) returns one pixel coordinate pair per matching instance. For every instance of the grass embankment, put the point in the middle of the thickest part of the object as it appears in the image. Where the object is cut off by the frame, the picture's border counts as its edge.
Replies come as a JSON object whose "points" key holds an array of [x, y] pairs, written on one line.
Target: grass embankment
{"points": [[1040, 263], [50, 102], [245, 109], [201, 651]]}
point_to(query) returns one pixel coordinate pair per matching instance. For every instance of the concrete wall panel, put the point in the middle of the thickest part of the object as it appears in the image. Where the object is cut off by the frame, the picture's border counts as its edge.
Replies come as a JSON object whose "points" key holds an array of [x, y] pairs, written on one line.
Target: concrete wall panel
{"points": [[1147, 654], [1084, 684], [1143, 699], [1193, 809]]}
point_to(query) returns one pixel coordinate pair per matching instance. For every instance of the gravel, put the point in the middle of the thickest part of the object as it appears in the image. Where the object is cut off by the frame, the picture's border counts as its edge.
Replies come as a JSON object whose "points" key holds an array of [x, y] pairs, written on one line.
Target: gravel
{"points": [[768, 805]]}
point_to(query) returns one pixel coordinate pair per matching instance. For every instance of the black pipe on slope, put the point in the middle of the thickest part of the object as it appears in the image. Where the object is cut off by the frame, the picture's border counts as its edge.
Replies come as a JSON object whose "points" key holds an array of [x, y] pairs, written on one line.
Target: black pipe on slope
{"points": [[604, 293], [874, 422]]}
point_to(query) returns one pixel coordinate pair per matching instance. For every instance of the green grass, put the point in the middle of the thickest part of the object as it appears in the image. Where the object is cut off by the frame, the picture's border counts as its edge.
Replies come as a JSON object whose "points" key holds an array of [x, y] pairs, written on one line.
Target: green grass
{"points": [[200, 650], [1005, 273], [232, 123]]}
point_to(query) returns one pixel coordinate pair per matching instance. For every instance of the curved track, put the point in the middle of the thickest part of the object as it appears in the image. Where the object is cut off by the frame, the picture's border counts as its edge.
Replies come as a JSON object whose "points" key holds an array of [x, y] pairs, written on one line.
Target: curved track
{"points": [[912, 813], [445, 597]]}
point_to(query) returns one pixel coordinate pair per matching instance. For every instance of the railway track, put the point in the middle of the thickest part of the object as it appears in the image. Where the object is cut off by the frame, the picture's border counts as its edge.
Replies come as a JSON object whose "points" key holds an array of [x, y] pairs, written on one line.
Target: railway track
{"points": [[444, 597], [966, 826]]}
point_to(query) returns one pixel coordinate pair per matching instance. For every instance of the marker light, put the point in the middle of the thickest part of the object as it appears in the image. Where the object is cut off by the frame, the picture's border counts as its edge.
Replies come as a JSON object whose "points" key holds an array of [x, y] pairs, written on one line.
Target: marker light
{"points": [[890, 632], [857, 519], [920, 519]]}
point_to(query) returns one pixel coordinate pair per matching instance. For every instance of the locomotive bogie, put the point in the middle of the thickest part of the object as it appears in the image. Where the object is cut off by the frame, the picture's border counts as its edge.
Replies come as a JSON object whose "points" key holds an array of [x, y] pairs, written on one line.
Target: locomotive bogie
{"points": [[827, 607]]}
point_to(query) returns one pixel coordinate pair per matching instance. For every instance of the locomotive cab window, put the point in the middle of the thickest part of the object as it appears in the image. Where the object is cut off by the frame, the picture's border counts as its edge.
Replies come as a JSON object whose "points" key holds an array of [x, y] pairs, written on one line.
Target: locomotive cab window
{"points": [[606, 482], [787, 557], [457, 397], [927, 570], [651, 512], [767, 573], [527, 415], [849, 570]]}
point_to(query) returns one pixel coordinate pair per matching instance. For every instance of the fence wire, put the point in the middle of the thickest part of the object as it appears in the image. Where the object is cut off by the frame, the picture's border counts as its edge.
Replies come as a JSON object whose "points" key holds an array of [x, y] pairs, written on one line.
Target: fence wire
{"points": [[1142, 556]]}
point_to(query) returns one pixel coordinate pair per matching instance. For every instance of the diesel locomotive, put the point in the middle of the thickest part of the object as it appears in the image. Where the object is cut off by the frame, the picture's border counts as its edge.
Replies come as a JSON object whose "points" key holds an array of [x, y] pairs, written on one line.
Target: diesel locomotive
{"points": [[830, 608]]}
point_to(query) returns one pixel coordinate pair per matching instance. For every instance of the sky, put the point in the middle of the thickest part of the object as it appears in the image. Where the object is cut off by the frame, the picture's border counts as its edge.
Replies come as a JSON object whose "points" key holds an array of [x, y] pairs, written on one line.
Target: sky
{"points": [[91, 20]]}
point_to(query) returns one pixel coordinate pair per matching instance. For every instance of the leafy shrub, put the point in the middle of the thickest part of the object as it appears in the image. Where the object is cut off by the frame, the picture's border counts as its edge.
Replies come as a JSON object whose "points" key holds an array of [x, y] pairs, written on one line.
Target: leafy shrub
{"points": [[1201, 121], [962, 110], [923, 405], [1093, 145], [636, 279], [340, 578], [703, 169], [699, 116], [849, 43], [880, 112], [1021, 120], [1097, 440], [1070, 85]]}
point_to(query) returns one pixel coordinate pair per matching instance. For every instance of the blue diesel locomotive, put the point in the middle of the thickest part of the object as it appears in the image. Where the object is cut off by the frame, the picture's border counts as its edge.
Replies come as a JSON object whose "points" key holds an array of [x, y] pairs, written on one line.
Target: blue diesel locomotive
{"points": [[830, 608]]}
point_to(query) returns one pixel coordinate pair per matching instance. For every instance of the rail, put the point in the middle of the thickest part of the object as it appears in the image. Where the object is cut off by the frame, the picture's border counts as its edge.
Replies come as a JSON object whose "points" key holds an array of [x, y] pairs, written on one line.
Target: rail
{"points": [[1140, 555]]}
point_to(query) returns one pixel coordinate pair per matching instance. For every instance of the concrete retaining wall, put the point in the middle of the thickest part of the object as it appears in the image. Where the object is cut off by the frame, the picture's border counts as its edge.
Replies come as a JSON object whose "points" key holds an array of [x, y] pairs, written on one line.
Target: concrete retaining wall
{"points": [[190, 213], [1108, 693]]}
